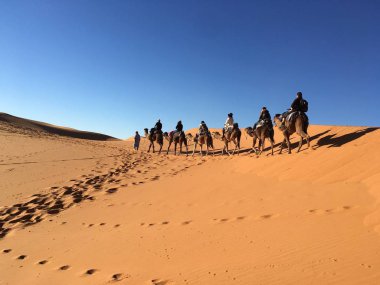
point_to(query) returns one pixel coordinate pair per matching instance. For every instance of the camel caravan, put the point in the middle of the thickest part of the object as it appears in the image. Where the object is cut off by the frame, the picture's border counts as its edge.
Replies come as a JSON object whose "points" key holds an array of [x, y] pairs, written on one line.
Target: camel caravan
{"points": [[294, 120]]}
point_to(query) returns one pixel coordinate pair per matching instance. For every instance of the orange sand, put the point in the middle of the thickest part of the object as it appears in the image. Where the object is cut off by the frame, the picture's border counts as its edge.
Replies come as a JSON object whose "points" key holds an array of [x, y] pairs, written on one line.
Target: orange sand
{"points": [[96, 212]]}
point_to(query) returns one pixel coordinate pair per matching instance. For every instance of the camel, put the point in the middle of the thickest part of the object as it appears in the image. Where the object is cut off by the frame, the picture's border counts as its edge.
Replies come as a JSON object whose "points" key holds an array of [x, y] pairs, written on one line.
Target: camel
{"points": [[298, 125], [178, 139], [233, 137], [202, 139], [154, 137], [261, 132]]}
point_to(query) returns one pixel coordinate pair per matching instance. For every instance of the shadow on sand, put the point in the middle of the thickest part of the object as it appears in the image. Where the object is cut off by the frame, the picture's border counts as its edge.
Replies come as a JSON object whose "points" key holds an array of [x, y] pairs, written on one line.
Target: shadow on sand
{"points": [[334, 141], [295, 143]]}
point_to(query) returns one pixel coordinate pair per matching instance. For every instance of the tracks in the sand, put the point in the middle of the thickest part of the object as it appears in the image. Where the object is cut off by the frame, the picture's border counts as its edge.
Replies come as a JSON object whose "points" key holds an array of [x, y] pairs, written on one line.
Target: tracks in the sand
{"points": [[23, 258], [128, 170]]}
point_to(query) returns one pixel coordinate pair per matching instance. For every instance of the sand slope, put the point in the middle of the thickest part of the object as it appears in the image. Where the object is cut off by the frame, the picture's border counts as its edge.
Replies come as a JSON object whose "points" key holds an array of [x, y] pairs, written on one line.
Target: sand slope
{"points": [[25, 126], [138, 218]]}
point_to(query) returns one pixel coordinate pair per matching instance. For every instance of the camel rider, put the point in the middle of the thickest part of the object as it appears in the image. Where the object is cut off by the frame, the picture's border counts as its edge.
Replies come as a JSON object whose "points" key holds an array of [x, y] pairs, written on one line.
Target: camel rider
{"points": [[264, 118], [158, 126], [229, 124], [203, 129], [179, 128], [296, 105], [299, 105]]}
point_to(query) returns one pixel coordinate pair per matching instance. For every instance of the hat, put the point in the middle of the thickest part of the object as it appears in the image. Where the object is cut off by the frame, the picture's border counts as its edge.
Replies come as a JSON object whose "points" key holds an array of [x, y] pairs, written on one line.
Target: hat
{"points": [[299, 94], [202, 122], [230, 115]]}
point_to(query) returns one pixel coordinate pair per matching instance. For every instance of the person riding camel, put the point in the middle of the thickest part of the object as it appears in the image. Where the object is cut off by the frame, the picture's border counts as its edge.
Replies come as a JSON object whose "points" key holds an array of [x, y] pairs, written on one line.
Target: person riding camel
{"points": [[299, 105], [264, 118], [203, 129], [158, 126], [228, 125], [179, 128], [296, 105]]}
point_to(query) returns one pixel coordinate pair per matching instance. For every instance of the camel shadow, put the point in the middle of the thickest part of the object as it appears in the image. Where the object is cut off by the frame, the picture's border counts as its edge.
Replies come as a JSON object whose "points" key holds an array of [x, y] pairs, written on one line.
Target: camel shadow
{"points": [[334, 141], [295, 144]]}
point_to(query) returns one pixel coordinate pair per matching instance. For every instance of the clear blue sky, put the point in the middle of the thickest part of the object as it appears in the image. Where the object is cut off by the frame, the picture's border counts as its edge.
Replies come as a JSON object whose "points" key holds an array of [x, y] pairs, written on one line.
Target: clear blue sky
{"points": [[118, 66]]}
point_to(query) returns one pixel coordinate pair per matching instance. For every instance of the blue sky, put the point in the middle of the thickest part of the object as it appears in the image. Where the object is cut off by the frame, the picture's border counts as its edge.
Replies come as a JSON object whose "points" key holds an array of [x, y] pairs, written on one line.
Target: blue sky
{"points": [[117, 66]]}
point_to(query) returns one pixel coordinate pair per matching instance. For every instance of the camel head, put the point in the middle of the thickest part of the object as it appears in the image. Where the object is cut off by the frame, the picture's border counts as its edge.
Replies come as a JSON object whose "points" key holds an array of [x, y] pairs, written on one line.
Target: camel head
{"points": [[189, 136], [166, 135], [217, 135], [276, 119], [249, 131]]}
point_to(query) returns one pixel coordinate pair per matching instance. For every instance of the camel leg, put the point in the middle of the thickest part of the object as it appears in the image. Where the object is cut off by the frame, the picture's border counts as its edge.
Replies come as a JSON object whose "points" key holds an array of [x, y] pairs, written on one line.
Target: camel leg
{"points": [[170, 143], [195, 146], [307, 137], [288, 142], [235, 143], [282, 144], [161, 145], [253, 145], [271, 145], [201, 153], [153, 146], [227, 149], [262, 145], [175, 148], [187, 150], [300, 144], [303, 136]]}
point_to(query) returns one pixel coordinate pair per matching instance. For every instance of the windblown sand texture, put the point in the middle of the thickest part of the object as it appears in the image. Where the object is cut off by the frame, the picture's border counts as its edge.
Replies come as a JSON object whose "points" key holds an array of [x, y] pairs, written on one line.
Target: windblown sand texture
{"points": [[84, 211]]}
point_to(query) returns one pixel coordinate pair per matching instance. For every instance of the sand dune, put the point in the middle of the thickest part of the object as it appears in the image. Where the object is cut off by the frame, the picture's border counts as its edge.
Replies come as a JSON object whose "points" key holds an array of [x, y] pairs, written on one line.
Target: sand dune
{"points": [[22, 125], [96, 212]]}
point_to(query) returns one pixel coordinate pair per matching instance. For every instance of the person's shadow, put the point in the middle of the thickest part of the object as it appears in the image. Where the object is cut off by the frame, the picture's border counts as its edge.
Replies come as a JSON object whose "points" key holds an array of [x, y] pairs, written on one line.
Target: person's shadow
{"points": [[334, 141]]}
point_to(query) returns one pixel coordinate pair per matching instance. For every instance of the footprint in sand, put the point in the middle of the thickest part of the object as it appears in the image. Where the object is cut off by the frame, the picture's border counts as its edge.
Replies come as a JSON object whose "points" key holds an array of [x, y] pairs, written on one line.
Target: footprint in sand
{"points": [[155, 178], [8, 250], [112, 190], [265, 217], [64, 267], [165, 223], [21, 257], [347, 207], [119, 276], [366, 265], [90, 271], [159, 282], [186, 223], [42, 262]]}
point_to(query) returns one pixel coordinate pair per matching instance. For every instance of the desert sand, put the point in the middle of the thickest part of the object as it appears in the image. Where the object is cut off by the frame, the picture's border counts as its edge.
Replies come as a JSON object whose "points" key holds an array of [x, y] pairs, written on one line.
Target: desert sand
{"points": [[74, 210]]}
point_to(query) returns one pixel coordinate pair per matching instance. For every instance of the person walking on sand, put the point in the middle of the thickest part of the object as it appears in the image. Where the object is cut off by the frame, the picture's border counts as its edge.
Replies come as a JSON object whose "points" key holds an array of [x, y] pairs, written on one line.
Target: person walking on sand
{"points": [[137, 141]]}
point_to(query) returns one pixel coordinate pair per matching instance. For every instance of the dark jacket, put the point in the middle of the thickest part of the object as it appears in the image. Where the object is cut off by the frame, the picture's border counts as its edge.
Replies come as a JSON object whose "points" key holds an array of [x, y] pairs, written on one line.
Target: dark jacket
{"points": [[296, 105], [265, 115], [158, 126], [203, 128], [179, 127]]}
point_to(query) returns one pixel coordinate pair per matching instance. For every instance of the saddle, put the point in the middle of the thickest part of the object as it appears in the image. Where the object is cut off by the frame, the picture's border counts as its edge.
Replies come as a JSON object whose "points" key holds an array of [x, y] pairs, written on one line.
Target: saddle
{"points": [[291, 117]]}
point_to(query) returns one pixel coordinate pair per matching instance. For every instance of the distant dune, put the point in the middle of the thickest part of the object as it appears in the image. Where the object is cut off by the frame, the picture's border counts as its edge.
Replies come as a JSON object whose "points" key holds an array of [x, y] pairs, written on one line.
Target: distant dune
{"points": [[35, 126]]}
